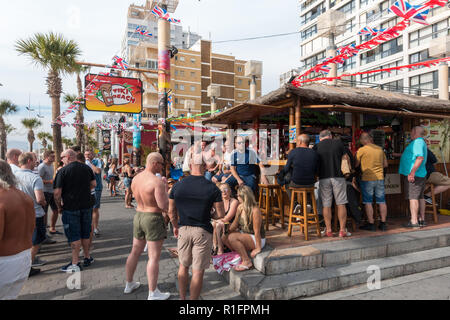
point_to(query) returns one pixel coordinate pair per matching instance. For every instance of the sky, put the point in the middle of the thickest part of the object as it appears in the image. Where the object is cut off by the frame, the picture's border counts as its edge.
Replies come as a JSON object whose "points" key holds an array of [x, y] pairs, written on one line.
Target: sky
{"points": [[98, 28]]}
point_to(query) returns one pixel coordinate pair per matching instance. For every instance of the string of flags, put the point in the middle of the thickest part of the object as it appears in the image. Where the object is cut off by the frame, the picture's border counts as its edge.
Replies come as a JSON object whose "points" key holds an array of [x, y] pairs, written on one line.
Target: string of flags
{"points": [[429, 63], [162, 13], [119, 63], [143, 31], [415, 13]]}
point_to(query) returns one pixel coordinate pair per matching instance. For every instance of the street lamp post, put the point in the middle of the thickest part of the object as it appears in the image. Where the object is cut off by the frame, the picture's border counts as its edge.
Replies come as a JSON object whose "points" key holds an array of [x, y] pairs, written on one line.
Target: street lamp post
{"points": [[253, 69]]}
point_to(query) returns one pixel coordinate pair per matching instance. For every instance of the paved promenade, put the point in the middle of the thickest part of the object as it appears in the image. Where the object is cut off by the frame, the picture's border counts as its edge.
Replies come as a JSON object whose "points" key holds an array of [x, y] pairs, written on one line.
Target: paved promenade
{"points": [[105, 278]]}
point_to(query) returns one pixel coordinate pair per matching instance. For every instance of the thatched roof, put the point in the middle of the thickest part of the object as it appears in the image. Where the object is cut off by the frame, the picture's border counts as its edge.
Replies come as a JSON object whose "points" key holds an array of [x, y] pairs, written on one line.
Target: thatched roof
{"points": [[315, 95]]}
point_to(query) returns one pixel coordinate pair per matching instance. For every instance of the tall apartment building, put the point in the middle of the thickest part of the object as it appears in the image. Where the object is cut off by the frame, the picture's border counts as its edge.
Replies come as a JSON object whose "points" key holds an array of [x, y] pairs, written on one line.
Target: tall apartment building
{"points": [[410, 47], [140, 15], [191, 72]]}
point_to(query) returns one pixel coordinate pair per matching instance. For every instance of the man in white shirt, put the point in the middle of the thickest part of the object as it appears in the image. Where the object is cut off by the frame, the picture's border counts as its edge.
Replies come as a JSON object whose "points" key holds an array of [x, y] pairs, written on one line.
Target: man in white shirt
{"points": [[12, 157]]}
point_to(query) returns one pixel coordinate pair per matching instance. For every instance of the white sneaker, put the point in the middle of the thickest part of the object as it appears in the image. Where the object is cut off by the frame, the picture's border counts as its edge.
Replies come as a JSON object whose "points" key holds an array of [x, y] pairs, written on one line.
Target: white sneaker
{"points": [[157, 295], [131, 286]]}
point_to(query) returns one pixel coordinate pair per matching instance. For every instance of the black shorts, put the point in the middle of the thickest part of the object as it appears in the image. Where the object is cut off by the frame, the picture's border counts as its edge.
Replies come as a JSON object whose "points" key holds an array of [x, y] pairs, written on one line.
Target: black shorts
{"points": [[50, 202]]}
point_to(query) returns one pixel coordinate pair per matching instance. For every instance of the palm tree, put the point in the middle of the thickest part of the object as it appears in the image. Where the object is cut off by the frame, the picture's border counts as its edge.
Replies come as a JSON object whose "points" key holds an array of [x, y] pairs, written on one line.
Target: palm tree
{"points": [[80, 117], [6, 107], [31, 124], [9, 128], [57, 56], [44, 137], [67, 142]]}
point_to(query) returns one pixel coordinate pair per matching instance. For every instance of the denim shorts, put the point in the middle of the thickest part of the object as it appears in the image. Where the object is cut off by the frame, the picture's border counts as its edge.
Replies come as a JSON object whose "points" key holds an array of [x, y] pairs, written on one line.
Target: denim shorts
{"points": [[127, 182], [371, 188], [98, 196], [39, 233], [77, 224]]}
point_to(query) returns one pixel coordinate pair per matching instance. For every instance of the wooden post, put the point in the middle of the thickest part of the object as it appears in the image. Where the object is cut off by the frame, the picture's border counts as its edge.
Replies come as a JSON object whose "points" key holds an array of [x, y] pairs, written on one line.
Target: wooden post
{"points": [[298, 114], [291, 124], [355, 127], [256, 125]]}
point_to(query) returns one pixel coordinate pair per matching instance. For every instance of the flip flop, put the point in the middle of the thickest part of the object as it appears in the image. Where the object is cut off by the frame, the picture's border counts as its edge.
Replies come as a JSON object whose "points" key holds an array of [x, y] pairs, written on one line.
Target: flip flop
{"points": [[243, 268]]}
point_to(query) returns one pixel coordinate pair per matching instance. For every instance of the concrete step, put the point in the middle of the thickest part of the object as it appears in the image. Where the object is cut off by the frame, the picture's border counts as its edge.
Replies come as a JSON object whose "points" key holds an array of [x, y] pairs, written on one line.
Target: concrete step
{"points": [[327, 254], [256, 286]]}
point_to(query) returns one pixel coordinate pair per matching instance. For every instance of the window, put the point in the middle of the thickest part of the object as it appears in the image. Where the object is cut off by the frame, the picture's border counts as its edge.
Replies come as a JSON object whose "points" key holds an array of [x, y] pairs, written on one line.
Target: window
{"points": [[347, 65], [426, 81], [239, 69], [308, 63], [135, 13], [396, 86], [182, 58], [152, 64], [192, 88], [423, 36], [384, 50], [239, 95], [240, 82], [192, 74], [312, 14], [374, 77], [363, 3], [181, 73], [348, 8], [176, 100], [176, 86], [181, 86], [192, 60], [419, 56], [350, 25], [308, 33], [176, 72]]}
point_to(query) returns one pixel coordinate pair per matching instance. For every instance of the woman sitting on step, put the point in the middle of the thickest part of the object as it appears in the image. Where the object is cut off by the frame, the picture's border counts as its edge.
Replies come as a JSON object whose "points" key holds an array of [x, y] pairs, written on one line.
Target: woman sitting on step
{"points": [[247, 230]]}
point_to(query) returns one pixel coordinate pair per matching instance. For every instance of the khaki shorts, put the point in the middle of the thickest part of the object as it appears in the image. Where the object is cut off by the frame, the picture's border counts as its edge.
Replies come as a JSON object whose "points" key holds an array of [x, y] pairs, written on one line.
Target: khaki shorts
{"points": [[194, 247], [330, 187], [414, 190], [149, 226], [438, 179]]}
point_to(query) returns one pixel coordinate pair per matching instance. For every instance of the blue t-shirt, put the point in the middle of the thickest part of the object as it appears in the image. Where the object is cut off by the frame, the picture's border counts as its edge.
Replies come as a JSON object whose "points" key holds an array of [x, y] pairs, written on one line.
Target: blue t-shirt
{"points": [[417, 148], [245, 162], [98, 176]]}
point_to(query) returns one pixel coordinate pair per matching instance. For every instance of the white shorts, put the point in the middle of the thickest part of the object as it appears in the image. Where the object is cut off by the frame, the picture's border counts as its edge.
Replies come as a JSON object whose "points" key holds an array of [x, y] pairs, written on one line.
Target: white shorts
{"points": [[263, 241], [14, 271]]}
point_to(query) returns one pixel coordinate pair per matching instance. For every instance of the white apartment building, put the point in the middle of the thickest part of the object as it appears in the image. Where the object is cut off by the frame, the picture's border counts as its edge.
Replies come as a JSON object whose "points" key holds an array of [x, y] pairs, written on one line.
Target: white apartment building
{"points": [[141, 16], [410, 47]]}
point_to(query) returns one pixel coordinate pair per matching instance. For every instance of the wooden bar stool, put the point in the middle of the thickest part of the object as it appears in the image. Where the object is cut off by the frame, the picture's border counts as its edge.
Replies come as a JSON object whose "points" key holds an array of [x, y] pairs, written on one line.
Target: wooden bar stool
{"points": [[304, 218], [431, 208], [271, 203]]}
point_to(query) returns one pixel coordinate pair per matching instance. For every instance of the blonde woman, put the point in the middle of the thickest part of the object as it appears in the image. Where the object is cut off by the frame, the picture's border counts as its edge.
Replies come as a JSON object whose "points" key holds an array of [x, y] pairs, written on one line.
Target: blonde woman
{"points": [[113, 176], [230, 204], [247, 230]]}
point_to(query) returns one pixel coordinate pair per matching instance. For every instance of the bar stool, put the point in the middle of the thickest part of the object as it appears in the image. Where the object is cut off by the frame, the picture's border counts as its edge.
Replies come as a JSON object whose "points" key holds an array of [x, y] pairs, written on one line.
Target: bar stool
{"points": [[271, 203], [431, 208], [305, 219]]}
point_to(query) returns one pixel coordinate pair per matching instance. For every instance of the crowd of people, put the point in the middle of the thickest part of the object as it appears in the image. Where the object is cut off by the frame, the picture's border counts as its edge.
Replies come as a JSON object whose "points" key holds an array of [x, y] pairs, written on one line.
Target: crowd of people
{"points": [[27, 190], [210, 210]]}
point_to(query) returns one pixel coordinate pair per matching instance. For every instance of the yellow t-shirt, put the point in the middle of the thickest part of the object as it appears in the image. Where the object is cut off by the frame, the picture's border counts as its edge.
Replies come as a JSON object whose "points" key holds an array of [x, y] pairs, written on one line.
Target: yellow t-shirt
{"points": [[371, 158]]}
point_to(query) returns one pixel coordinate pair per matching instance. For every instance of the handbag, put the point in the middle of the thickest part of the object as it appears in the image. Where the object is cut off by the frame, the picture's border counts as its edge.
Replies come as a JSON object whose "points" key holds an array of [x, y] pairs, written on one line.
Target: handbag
{"points": [[346, 167]]}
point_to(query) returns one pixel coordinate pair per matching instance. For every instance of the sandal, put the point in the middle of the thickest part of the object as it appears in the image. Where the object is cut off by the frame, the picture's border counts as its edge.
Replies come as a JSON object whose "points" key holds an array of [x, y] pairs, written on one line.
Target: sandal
{"points": [[242, 267]]}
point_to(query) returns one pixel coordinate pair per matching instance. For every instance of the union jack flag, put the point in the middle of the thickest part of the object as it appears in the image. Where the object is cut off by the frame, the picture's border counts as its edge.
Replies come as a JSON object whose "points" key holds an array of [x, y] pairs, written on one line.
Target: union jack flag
{"points": [[348, 49], [162, 13], [120, 63], [421, 16], [321, 68], [370, 31], [143, 32], [410, 12]]}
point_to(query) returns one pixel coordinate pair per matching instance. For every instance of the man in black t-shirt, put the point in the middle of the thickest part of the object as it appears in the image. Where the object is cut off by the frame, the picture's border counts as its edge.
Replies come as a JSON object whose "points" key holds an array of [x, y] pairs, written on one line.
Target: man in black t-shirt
{"points": [[192, 200], [72, 194], [331, 180]]}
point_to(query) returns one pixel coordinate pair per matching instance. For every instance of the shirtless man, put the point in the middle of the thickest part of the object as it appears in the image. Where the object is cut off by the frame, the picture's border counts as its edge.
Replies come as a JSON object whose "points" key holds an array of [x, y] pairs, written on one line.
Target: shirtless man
{"points": [[149, 226], [17, 222]]}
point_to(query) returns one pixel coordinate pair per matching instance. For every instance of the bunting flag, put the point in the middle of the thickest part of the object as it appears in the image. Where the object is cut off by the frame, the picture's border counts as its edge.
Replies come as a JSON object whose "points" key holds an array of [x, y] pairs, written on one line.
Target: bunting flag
{"points": [[401, 8], [370, 31], [120, 63], [162, 13], [429, 63], [143, 32]]}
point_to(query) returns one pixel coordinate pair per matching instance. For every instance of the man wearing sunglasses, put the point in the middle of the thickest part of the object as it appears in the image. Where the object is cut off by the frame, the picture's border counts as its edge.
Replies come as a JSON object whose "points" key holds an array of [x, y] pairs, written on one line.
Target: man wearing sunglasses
{"points": [[243, 166]]}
